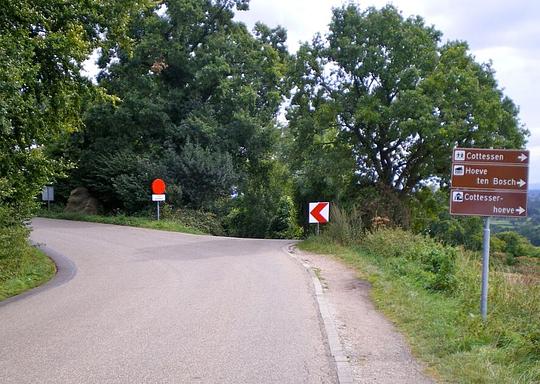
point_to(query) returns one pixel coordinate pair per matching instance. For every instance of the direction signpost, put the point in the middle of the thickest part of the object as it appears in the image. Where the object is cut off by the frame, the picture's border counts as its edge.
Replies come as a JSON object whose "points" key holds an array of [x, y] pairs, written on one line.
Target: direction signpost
{"points": [[489, 182]]}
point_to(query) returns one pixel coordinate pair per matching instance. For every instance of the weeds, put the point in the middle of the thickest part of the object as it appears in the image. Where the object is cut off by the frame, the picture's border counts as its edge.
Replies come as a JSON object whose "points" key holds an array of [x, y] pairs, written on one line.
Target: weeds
{"points": [[346, 226]]}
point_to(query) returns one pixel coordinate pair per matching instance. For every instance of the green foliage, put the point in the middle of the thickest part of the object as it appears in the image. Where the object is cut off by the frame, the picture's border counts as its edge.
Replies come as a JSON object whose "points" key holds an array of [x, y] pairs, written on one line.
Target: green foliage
{"points": [[264, 209], [206, 222], [382, 95], [379, 201], [527, 227], [42, 47], [452, 230], [429, 263], [21, 266], [282, 224], [514, 245], [122, 179], [202, 174], [13, 237]]}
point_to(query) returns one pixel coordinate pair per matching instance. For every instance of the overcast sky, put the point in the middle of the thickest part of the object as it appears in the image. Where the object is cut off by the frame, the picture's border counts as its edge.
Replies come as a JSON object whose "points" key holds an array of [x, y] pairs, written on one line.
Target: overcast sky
{"points": [[507, 33]]}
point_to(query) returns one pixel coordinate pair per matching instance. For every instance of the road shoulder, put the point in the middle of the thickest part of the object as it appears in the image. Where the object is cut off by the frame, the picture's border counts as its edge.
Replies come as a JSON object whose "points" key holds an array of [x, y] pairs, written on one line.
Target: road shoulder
{"points": [[376, 352]]}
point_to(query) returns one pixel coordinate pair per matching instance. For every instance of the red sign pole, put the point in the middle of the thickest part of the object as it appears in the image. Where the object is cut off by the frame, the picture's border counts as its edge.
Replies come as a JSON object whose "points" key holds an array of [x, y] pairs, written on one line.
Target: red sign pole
{"points": [[319, 213]]}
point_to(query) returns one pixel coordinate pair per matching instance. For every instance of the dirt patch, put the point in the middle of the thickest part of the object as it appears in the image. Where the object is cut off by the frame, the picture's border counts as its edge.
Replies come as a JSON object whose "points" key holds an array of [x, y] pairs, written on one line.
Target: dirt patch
{"points": [[376, 351]]}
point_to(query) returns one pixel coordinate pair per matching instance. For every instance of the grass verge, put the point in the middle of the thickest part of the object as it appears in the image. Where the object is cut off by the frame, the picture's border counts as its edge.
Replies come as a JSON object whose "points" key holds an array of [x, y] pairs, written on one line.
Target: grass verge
{"points": [[26, 267], [132, 221], [443, 325]]}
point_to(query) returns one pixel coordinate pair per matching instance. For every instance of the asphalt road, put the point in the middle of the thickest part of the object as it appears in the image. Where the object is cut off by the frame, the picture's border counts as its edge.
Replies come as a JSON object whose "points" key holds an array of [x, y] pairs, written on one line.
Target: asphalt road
{"points": [[157, 307]]}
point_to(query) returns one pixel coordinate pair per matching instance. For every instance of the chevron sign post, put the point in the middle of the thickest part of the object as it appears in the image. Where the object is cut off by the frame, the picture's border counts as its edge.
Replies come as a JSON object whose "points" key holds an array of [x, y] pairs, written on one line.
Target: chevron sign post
{"points": [[319, 213]]}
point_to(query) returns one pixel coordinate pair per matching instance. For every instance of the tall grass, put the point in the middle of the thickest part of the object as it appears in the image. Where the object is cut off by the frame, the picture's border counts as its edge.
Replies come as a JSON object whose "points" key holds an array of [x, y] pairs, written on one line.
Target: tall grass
{"points": [[21, 266], [432, 293], [346, 226]]}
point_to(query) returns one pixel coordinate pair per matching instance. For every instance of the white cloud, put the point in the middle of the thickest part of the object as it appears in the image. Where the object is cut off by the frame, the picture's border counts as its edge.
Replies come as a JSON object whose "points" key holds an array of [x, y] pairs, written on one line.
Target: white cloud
{"points": [[302, 19], [534, 166]]}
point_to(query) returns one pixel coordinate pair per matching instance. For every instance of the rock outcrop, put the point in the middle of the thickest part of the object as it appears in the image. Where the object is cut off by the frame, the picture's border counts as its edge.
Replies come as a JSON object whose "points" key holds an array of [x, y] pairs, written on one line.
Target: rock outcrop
{"points": [[81, 201]]}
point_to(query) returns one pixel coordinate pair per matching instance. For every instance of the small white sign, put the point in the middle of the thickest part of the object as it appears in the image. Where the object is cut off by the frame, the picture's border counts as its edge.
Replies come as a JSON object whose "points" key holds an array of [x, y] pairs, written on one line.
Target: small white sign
{"points": [[459, 155], [158, 197], [47, 194], [459, 170], [457, 196]]}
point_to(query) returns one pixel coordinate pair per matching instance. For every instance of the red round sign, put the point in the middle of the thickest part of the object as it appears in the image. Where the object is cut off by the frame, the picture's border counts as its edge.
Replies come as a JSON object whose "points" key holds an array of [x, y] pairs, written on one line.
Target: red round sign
{"points": [[158, 187]]}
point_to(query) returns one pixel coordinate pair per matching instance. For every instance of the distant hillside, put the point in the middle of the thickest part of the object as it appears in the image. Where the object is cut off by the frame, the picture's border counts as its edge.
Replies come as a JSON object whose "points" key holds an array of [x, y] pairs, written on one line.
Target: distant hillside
{"points": [[529, 227]]}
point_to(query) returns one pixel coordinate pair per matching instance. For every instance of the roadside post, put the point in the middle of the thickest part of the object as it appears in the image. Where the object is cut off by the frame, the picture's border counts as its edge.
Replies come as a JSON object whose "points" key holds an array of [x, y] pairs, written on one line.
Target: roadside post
{"points": [[489, 182], [319, 213], [47, 194], [158, 193]]}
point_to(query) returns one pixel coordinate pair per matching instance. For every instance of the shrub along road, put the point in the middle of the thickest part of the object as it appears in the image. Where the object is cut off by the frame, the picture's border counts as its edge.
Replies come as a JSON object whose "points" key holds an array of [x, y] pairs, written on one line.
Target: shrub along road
{"points": [[158, 307]]}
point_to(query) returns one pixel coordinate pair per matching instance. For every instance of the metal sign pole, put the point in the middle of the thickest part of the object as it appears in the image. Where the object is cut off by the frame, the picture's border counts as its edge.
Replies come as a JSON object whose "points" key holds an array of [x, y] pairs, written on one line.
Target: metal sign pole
{"points": [[485, 269], [157, 202], [318, 229]]}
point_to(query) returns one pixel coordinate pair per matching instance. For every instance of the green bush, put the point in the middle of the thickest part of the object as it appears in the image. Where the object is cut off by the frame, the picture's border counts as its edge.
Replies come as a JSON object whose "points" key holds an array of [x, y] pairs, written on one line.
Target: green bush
{"points": [[496, 245], [253, 215], [283, 224], [515, 245], [206, 222], [421, 259], [21, 266], [265, 208], [13, 242]]}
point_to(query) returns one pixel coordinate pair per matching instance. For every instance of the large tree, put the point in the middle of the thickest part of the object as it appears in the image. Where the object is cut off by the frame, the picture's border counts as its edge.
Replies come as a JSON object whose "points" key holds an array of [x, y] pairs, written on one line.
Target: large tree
{"points": [[43, 44], [383, 94], [196, 103]]}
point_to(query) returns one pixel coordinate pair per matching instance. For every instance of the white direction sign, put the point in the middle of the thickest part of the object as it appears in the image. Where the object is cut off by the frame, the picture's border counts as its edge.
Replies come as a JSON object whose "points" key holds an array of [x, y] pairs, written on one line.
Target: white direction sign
{"points": [[158, 197], [47, 194]]}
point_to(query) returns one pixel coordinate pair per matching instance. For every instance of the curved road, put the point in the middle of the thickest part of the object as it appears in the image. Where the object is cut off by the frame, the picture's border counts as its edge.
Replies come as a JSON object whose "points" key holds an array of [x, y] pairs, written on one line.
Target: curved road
{"points": [[158, 307]]}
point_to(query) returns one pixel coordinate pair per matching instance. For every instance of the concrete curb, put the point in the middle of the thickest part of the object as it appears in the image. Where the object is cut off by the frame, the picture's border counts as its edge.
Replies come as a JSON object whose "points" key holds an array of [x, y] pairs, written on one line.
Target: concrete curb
{"points": [[343, 366]]}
